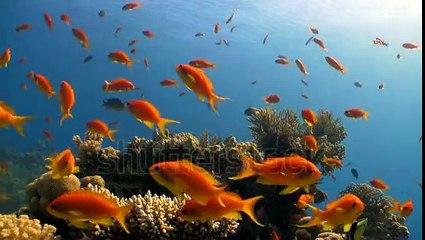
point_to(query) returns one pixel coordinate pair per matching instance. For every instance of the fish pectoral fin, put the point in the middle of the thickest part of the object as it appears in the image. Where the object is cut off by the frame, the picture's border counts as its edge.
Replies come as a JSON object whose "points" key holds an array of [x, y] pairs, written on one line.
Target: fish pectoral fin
{"points": [[288, 190], [105, 221], [347, 227], [200, 96], [233, 215], [80, 223], [327, 227], [148, 124], [76, 214]]}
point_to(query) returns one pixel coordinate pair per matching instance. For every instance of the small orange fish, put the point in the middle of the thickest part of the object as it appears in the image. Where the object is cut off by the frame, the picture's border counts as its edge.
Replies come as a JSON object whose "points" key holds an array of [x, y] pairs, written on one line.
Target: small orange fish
{"points": [[335, 64], [272, 99], [65, 18], [379, 184], [304, 200], [118, 85], [147, 113], [23, 27], [67, 100], [48, 134], [405, 209], [131, 6], [42, 83], [320, 42], [193, 211], [49, 20], [283, 61], [309, 117], [294, 172], [120, 57], [202, 63], [332, 162], [83, 208], [101, 128], [4, 167], [411, 46], [148, 34], [343, 211], [5, 58], [146, 62], [310, 143], [216, 28], [62, 165], [81, 37], [314, 30], [9, 117], [23, 60], [169, 83], [356, 113], [185, 177], [301, 66]]}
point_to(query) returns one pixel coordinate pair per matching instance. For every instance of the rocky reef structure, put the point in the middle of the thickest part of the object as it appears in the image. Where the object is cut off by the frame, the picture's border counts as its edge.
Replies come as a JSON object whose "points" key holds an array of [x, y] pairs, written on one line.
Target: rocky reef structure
{"points": [[381, 223], [24, 228], [329, 236]]}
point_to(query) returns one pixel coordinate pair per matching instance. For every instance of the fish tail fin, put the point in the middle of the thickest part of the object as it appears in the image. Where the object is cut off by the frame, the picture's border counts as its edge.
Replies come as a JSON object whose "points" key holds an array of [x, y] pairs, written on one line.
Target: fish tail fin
{"points": [[249, 208], [316, 219], [122, 213], [162, 123], [343, 71], [248, 168], [366, 115], [65, 116], [213, 102], [107, 84], [18, 123], [51, 94], [111, 134]]}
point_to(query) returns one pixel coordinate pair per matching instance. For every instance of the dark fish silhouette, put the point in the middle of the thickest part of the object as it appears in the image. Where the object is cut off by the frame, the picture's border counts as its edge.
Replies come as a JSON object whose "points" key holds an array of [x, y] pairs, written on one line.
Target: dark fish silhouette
{"points": [[233, 28], [265, 38], [253, 82], [357, 84], [357, 229], [199, 34], [114, 104], [101, 13], [309, 40], [226, 42], [251, 111], [419, 184], [230, 18], [304, 82], [305, 96], [88, 59], [355, 173]]}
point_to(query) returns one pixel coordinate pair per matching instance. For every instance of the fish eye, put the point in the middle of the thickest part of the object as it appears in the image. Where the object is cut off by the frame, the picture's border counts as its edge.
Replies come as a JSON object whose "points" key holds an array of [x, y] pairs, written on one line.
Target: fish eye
{"points": [[53, 206], [157, 168], [180, 66]]}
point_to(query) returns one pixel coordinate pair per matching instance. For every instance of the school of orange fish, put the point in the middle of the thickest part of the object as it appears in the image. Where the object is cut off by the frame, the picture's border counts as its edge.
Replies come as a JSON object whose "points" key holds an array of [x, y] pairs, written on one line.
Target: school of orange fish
{"points": [[209, 198]]}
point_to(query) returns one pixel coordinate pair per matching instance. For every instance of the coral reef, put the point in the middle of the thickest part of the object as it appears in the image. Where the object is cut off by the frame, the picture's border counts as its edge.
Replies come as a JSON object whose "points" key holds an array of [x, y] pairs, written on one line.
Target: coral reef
{"points": [[22, 227], [93, 180], [329, 236], [381, 223]]}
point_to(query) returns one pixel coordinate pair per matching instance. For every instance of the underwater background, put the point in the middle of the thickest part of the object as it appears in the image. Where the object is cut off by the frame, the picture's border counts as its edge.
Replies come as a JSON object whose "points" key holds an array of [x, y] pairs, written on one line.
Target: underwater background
{"points": [[385, 146]]}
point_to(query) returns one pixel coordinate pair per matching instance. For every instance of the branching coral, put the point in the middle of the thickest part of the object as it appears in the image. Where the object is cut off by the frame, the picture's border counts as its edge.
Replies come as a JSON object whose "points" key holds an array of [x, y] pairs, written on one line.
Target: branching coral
{"points": [[381, 223], [22, 227]]}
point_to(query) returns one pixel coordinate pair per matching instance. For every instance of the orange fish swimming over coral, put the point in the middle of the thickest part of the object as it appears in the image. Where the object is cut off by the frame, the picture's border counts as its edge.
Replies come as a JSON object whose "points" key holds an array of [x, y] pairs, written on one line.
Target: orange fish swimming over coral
{"points": [[43, 84], [310, 143], [202, 63], [335, 64], [147, 113], [404, 209], [379, 184], [197, 81], [193, 211], [304, 200], [185, 177], [81, 37], [118, 85], [49, 20], [356, 113], [101, 128], [309, 117], [332, 162], [9, 117], [294, 171], [5, 58], [120, 57], [83, 208], [301, 66], [62, 165], [67, 100]]}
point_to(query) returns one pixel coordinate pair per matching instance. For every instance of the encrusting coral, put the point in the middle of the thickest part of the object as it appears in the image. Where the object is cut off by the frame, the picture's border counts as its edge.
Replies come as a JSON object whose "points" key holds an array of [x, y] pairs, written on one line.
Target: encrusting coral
{"points": [[329, 236], [22, 228], [381, 223]]}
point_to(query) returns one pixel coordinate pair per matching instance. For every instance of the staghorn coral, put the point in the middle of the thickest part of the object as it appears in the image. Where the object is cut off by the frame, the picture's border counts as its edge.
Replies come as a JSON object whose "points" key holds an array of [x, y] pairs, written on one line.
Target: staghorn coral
{"points": [[329, 236], [381, 223], [22, 227]]}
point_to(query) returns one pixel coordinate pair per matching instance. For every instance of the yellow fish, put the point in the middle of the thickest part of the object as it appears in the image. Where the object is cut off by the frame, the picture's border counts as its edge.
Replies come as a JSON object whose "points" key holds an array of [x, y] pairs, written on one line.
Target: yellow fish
{"points": [[62, 165]]}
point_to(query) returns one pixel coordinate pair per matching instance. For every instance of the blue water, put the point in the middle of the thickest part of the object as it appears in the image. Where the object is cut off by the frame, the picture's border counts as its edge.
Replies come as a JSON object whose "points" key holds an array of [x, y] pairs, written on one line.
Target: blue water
{"points": [[385, 146]]}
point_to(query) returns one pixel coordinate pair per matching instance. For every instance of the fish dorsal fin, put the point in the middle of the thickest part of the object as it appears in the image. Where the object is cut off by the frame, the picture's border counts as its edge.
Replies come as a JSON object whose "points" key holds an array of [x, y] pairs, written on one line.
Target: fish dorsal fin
{"points": [[101, 195], [7, 108], [232, 195], [233, 215], [202, 171], [148, 124]]}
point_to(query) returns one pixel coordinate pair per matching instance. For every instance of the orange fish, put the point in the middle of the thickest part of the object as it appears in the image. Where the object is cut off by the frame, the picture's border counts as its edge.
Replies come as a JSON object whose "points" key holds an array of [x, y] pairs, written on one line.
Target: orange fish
{"points": [[185, 177], [379, 184], [23, 27], [83, 208], [343, 211], [62, 165], [411, 46], [101, 128], [216, 28], [314, 30], [301, 66], [81, 37], [131, 6], [148, 34], [4, 167], [356, 113], [202, 63], [404, 209], [283, 61], [67, 100], [146, 61], [310, 143], [9, 117], [274, 98], [147, 113], [169, 83], [304, 200], [335, 64], [49, 20], [65, 18], [309, 117], [120, 57], [48, 134], [23, 59], [193, 211], [293, 171], [332, 162], [118, 85], [274, 235], [320, 42], [197, 81], [5, 58], [43, 84]]}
